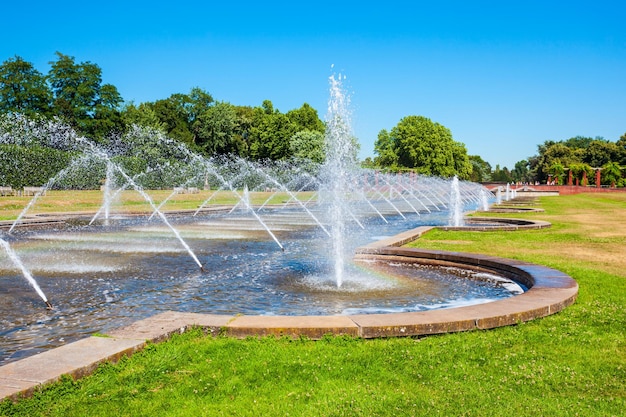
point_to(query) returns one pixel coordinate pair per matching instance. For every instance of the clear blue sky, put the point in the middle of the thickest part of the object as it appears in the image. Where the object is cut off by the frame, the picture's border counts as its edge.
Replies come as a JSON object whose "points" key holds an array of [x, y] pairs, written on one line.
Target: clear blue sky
{"points": [[503, 76]]}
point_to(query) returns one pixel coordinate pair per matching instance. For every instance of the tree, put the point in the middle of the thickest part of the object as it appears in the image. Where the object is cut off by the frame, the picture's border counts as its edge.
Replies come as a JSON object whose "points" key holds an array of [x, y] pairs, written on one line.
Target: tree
{"points": [[600, 152], [551, 154], [23, 89], [308, 144], [385, 148], [306, 118], [142, 115], [521, 172], [621, 149], [582, 173], [578, 142], [424, 146], [107, 117], [501, 175], [611, 174], [481, 169], [173, 119], [216, 130], [557, 172], [80, 98], [270, 133], [192, 105]]}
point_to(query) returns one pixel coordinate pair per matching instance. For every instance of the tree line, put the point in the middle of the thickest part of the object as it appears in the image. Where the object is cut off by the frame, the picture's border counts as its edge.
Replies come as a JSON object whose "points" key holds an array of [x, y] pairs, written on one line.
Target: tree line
{"points": [[74, 93], [581, 156], [424, 146]]}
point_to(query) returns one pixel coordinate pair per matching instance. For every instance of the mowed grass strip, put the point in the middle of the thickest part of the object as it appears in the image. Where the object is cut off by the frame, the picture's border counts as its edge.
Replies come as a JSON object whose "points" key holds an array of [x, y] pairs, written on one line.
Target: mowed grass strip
{"points": [[90, 201], [571, 363]]}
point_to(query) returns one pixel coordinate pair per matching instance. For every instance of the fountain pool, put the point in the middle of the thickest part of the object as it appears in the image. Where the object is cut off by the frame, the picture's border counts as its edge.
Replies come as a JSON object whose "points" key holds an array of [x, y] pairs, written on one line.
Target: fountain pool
{"points": [[101, 276]]}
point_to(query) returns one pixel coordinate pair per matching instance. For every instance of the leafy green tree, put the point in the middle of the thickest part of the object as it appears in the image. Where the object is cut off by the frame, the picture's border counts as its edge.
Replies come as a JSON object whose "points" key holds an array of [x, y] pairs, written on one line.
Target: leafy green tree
{"points": [[385, 148], [501, 174], [306, 118], [600, 152], [80, 98], [23, 89], [579, 142], [142, 115], [107, 117], [192, 105], [554, 153], [217, 130], [270, 133], [462, 164], [557, 172], [424, 146], [581, 172], [611, 174], [173, 119], [621, 149], [521, 172], [307, 144], [481, 169], [368, 163]]}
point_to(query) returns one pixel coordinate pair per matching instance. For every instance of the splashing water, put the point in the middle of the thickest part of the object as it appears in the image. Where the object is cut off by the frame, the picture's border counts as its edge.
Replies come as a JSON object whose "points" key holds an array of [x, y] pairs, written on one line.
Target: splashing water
{"points": [[27, 275], [340, 163], [456, 204]]}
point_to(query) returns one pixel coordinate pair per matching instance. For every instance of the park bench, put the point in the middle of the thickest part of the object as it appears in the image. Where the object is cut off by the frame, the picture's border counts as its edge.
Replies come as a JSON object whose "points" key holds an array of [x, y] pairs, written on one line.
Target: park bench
{"points": [[189, 190], [4, 191], [31, 191]]}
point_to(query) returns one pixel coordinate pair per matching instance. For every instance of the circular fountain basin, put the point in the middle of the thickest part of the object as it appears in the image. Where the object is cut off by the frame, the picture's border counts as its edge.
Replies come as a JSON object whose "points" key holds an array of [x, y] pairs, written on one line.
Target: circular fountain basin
{"points": [[549, 292], [106, 276]]}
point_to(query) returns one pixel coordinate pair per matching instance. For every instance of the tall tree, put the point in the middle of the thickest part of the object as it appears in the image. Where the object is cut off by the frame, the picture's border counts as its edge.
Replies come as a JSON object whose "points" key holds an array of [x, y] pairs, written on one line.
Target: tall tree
{"points": [[521, 172], [553, 154], [270, 133], [621, 150], [600, 152], [173, 119], [306, 118], [23, 89], [216, 130], [81, 99], [307, 144], [141, 115], [385, 147], [425, 146], [481, 169]]}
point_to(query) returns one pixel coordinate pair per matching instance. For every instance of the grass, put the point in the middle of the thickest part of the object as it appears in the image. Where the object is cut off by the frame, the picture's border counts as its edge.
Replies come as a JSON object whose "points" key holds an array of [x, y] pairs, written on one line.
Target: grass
{"points": [[572, 363], [55, 201]]}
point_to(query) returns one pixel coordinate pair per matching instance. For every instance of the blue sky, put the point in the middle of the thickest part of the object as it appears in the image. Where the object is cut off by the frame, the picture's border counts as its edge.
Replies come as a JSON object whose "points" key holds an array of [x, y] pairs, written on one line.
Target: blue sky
{"points": [[503, 76]]}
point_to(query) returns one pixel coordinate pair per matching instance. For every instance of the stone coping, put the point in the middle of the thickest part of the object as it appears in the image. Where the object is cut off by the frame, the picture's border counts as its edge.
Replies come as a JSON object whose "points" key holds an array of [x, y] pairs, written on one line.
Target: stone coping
{"points": [[549, 292], [515, 209], [497, 223]]}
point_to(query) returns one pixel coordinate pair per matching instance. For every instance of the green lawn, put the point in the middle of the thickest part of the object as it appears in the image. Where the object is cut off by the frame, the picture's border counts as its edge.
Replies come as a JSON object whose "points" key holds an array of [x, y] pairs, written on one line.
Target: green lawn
{"points": [[571, 363]]}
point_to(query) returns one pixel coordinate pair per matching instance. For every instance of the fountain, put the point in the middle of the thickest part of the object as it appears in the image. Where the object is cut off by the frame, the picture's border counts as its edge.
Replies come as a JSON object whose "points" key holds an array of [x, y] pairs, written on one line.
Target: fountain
{"points": [[128, 266], [340, 163], [456, 209], [484, 200], [25, 272]]}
